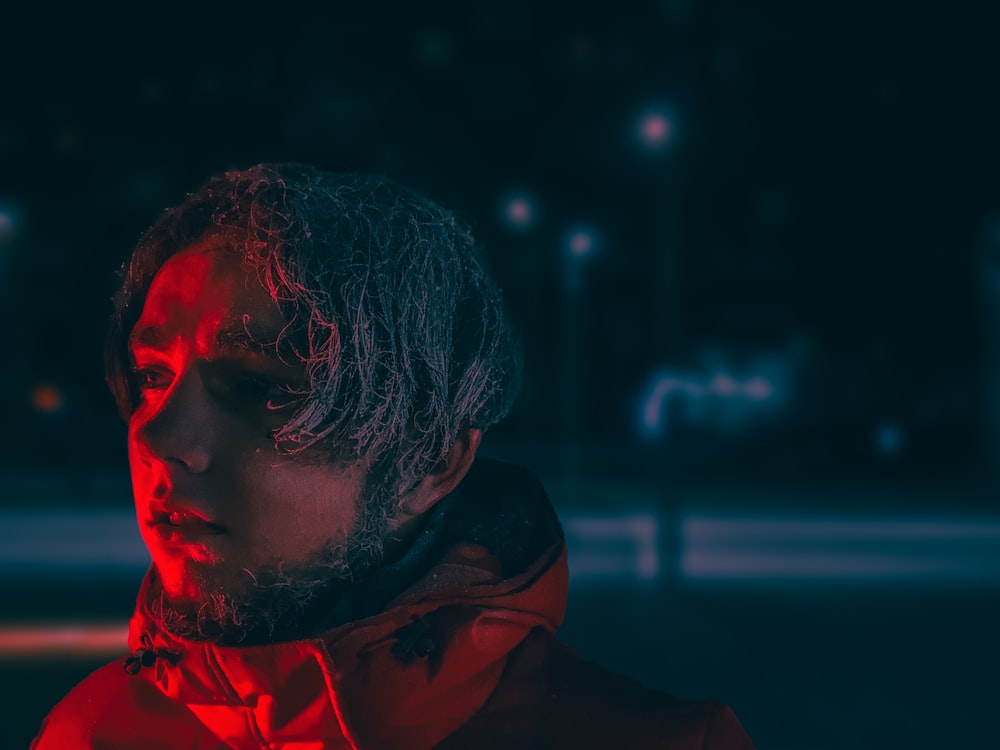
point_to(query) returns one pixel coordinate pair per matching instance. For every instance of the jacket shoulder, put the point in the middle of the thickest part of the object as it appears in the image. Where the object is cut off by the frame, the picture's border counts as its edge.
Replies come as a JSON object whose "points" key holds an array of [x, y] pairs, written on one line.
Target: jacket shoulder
{"points": [[551, 697], [69, 722], [627, 713], [110, 708]]}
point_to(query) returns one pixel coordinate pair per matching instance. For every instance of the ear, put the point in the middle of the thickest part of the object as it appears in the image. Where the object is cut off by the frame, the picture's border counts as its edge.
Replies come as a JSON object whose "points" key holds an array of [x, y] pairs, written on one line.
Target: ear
{"points": [[446, 476]]}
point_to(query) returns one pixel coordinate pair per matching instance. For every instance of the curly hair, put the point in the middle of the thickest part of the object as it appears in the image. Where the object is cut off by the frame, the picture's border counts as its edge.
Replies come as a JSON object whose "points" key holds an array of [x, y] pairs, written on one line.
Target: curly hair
{"points": [[388, 301]]}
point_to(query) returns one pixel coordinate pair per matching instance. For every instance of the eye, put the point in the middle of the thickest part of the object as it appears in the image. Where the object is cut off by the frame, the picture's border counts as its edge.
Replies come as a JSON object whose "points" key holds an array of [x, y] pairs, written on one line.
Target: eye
{"points": [[150, 378], [258, 388]]}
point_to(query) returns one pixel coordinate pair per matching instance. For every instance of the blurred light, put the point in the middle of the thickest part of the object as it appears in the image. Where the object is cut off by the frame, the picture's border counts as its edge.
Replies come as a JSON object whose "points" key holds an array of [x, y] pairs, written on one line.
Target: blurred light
{"points": [[42, 543], [47, 398], [889, 439], [654, 129], [518, 211], [758, 388], [32, 641], [652, 412], [581, 242], [690, 387], [10, 223], [812, 547], [723, 385], [609, 547], [62, 543]]}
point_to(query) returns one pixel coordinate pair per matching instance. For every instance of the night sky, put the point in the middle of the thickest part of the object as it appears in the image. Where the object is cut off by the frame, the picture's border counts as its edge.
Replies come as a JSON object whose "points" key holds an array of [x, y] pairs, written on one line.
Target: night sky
{"points": [[797, 193], [753, 250]]}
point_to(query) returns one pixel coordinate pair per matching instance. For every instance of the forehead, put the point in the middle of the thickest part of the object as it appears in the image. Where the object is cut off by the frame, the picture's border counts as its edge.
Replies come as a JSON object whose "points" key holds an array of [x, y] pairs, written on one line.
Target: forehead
{"points": [[201, 293]]}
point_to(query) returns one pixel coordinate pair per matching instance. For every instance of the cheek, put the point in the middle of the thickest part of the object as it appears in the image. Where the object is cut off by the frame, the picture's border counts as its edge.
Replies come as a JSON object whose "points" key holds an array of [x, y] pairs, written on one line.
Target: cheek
{"points": [[138, 468], [295, 507]]}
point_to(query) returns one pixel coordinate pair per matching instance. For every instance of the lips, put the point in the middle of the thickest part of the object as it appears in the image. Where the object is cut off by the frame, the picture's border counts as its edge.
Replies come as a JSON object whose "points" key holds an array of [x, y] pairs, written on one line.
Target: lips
{"points": [[180, 526]]}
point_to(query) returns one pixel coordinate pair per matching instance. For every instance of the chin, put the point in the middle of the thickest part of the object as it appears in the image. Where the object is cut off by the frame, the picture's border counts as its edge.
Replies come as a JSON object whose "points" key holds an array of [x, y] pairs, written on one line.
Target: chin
{"points": [[191, 582], [219, 605]]}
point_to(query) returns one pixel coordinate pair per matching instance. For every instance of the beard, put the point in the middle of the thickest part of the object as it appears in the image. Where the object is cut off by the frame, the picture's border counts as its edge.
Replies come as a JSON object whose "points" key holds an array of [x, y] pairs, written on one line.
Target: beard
{"points": [[283, 602]]}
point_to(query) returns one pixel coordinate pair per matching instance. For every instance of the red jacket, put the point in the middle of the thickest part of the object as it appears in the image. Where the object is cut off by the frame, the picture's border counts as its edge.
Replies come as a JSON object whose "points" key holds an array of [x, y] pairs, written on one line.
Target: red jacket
{"points": [[463, 656]]}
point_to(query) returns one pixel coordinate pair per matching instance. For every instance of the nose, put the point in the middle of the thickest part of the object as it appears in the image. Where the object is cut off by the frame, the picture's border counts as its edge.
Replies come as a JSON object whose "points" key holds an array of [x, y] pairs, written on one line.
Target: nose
{"points": [[176, 425]]}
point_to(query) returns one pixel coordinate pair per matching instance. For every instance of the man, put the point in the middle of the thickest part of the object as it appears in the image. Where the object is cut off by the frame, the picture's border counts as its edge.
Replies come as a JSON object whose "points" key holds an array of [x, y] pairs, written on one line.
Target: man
{"points": [[307, 363]]}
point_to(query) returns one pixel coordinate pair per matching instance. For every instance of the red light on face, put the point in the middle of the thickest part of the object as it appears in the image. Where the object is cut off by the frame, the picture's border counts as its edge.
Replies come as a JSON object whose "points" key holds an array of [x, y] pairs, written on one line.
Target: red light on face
{"points": [[46, 398]]}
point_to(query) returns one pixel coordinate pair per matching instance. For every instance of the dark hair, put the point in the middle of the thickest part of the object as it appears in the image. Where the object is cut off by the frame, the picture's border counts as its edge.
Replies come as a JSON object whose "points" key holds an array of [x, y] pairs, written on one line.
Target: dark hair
{"points": [[389, 304]]}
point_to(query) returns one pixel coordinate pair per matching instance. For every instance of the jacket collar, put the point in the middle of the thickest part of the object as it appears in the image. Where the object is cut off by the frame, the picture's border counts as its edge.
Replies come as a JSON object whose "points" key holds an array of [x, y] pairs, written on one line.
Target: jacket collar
{"points": [[489, 567]]}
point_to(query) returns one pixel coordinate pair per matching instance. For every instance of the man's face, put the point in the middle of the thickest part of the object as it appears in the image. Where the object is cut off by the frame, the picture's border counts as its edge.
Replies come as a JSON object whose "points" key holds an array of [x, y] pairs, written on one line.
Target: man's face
{"points": [[218, 507]]}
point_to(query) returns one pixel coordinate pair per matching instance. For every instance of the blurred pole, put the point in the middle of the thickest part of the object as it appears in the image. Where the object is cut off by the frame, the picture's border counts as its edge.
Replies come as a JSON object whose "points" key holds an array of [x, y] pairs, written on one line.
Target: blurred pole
{"points": [[667, 270], [571, 421], [988, 265], [667, 260]]}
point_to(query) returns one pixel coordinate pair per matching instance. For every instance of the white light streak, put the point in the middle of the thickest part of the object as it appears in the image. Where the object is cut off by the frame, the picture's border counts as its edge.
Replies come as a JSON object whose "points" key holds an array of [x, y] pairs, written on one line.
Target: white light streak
{"points": [[720, 385], [839, 548], [85, 639], [611, 546], [36, 542]]}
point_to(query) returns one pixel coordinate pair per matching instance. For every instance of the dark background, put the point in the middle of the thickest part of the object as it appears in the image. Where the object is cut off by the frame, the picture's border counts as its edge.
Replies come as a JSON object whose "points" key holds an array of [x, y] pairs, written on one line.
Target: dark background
{"points": [[783, 218]]}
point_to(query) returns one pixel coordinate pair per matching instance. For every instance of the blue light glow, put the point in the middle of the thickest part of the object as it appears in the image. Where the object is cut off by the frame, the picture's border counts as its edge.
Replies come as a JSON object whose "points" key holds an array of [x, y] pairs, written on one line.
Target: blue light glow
{"points": [[691, 388], [10, 222], [788, 548], [66, 542], [889, 439], [613, 546], [716, 547]]}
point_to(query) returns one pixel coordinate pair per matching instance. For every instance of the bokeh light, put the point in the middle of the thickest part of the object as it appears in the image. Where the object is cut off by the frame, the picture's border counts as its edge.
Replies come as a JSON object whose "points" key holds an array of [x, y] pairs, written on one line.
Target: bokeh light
{"points": [[10, 222], [655, 129], [47, 398], [733, 397], [581, 241], [518, 210], [759, 388], [889, 439]]}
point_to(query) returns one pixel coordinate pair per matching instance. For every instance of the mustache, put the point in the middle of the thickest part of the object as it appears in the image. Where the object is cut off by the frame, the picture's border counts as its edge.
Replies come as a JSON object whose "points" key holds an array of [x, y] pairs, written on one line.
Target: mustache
{"points": [[280, 602], [276, 603]]}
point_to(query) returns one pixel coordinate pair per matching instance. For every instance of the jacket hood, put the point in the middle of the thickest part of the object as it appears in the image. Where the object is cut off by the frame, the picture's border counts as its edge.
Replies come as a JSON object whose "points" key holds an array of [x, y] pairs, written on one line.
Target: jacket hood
{"points": [[424, 643]]}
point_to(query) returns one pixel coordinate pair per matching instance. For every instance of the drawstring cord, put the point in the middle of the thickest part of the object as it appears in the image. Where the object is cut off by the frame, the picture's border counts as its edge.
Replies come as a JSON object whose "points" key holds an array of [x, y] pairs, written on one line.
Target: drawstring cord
{"points": [[146, 656], [415, 641]]}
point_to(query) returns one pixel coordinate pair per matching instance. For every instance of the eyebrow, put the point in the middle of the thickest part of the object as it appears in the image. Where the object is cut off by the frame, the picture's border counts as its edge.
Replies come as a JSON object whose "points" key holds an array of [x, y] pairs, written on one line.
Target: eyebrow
{"points": [[229, 341], [241, 341]]}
